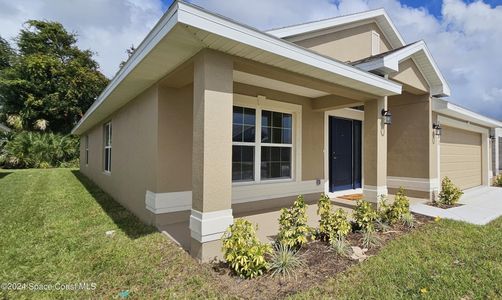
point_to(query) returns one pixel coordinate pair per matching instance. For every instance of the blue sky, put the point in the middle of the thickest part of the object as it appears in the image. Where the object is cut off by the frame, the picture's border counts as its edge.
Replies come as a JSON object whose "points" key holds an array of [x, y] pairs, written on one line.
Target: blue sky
{"points": [[464, 36]]}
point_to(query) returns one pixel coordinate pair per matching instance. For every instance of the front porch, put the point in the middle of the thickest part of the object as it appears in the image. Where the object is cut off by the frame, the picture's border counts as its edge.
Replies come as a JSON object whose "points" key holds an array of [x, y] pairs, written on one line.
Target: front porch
{"points": [[260, 137]]}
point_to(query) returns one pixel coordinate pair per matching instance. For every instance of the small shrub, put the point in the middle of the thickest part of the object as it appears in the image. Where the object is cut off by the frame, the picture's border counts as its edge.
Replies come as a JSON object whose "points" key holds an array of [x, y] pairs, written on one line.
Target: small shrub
{"points": [[340, 246], [370, 239], [400, 206], [332, 225], [408, 220], [450, 194], [293, 229], [37, 150], [324, 212], [285, 261], [365, 216], [243, 251], [497, 181]]}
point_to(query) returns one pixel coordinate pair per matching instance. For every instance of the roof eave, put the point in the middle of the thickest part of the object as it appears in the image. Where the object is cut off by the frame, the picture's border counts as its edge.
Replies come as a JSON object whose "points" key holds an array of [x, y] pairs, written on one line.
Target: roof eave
{"points": [[191, 16], [447, 108]]}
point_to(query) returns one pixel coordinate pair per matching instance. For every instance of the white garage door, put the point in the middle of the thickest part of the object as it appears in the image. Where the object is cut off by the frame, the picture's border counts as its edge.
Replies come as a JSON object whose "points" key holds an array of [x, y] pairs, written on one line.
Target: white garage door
{"points": [[461, 157]]}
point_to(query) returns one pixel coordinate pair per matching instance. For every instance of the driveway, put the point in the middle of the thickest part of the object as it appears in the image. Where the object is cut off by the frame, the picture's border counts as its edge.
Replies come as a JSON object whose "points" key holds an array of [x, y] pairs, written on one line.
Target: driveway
{"points": [[480, 206]]}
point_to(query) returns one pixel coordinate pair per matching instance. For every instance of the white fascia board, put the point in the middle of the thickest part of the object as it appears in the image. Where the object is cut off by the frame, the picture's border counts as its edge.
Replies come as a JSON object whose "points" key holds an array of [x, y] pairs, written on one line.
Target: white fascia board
{"points": [[191, 15], [195, 17], [380, 15], [447, 108]]}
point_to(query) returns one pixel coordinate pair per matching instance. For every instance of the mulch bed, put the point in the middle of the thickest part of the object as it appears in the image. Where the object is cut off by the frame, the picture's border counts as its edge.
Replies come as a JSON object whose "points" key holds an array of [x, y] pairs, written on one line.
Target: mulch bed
{"points": [[321, 264]]}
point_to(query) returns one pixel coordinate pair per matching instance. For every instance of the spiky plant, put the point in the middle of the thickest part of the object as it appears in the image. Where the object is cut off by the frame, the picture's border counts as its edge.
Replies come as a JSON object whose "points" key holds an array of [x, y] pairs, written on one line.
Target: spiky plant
{"points": [[285, 261], [382, 225], [370, 239], [408, 220], [340, 246]]}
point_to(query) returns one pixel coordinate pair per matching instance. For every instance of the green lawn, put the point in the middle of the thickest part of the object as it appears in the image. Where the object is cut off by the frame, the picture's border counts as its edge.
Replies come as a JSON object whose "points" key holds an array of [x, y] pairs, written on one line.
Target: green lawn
{"points": [[448, 260], [53, 224]]}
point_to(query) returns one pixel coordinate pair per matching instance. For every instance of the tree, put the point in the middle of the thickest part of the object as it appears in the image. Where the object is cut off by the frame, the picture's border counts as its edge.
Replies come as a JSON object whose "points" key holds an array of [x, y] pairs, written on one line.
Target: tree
{"points": [[130, 52], [6, 54], [51, 80]]}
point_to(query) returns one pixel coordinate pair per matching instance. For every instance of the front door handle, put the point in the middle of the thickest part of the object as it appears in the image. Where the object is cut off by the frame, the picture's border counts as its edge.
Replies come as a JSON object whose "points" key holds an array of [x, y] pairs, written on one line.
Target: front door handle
{"points": [[333, 155]]}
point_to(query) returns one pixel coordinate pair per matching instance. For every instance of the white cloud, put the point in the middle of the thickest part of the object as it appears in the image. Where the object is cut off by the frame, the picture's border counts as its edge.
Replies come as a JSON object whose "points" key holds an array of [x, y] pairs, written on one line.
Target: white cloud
{"points": [[107, 27], [466, 42]]}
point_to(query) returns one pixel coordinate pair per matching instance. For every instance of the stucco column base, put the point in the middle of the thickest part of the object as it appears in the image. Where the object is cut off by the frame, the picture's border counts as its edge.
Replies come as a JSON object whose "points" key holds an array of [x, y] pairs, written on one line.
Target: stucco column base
{"points": [[206, 252], [375, 151], [211, 153]]}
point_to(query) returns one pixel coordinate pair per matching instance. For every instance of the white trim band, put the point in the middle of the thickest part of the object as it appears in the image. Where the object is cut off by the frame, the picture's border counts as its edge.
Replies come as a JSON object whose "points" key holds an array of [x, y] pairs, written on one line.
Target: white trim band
{"points": [[413, 184], [159, 203], [373, 193], [210, 226]]}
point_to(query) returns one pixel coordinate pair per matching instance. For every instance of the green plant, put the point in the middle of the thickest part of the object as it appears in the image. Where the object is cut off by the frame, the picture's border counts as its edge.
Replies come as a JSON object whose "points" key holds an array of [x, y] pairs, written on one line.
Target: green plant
{"points": [[293, 229], [370, 239], [450, 194], [400, 206], [382, 225], [340, 246], [38, 150], [243, 251], [285, 261], [497, 181], [365, 216], [408, 220], [332, 225]]}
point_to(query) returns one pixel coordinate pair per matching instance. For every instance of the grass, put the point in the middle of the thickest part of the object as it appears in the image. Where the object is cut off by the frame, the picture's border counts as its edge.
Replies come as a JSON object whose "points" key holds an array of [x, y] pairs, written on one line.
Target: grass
{"points": [[443, 260], [53, 225]]}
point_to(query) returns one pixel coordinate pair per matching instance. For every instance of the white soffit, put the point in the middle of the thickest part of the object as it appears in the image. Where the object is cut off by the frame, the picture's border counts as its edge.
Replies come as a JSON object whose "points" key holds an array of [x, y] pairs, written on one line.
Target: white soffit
{"points": [[423, 59], [273, 84], [447, 108], [312, 29], [186, 29]]}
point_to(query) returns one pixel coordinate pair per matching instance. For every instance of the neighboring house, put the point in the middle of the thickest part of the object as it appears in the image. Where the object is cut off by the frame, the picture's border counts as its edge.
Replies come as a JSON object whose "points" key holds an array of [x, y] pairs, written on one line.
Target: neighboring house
{"points": [[211, 119], [4, 128]]}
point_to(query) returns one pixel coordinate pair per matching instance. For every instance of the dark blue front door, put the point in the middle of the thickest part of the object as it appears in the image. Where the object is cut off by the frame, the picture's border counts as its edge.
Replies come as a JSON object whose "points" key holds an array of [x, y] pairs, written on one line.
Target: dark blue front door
{"points": [[344, 154]]}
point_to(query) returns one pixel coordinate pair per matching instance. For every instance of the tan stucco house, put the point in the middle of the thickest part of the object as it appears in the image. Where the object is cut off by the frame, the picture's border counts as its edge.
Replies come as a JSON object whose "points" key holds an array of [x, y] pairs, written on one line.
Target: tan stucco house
{"points": [[211, 119]]}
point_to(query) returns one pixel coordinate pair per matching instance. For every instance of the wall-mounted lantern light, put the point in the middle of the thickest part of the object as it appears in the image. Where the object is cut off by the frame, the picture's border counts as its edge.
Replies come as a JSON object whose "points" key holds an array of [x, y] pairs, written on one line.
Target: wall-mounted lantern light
{"points": [[437, 129], [492, 137], [387, 117]]}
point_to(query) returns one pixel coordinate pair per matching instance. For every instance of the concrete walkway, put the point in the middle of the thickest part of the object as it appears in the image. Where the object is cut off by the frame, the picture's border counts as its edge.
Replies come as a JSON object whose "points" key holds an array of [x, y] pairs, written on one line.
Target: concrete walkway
{"points": [[480, 206]]}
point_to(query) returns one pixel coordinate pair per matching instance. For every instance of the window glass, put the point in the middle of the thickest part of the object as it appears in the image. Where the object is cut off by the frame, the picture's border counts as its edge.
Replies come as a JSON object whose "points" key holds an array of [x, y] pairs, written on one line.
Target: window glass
{"points": [[275, 162], [242, 163], [276, 127], [244, 122]]}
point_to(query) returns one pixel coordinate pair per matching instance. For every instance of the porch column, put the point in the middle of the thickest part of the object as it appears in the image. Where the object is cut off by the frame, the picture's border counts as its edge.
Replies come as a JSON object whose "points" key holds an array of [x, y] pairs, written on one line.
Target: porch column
{"points": [[212, 153], [375, 150]]}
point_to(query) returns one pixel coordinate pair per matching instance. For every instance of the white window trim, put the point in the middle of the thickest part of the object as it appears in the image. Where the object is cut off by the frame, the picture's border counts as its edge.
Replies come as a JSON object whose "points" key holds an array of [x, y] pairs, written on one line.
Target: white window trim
{"points": [[106, 147], [261, 103]]}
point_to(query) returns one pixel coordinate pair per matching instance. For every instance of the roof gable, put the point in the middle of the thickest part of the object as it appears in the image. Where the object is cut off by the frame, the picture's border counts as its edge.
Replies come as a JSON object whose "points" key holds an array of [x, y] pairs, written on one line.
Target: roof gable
{"points": [[316, 28], [388, 63]]}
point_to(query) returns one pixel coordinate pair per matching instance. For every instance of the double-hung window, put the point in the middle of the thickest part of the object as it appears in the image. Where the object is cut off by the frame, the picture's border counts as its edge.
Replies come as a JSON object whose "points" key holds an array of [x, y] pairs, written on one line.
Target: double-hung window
{"points": [[107, 134], [264, 154]]}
